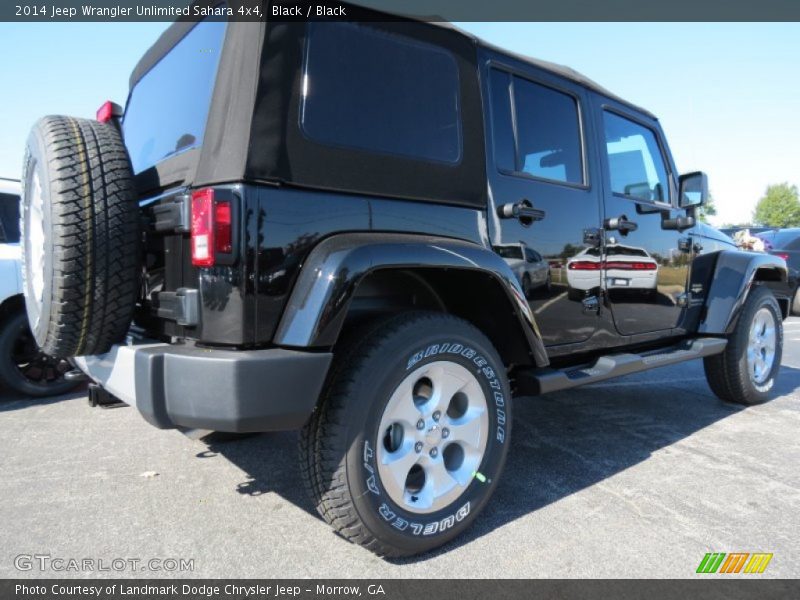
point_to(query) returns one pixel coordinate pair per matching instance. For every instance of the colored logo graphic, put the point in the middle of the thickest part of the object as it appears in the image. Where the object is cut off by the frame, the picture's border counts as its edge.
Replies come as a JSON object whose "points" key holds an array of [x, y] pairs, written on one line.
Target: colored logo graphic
{"points": [[736, 562]]}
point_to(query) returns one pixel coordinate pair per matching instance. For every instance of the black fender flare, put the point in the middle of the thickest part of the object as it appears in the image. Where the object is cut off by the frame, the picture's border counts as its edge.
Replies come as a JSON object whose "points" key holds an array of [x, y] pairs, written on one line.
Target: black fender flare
{"points": [[733, 276], [330, 275]]}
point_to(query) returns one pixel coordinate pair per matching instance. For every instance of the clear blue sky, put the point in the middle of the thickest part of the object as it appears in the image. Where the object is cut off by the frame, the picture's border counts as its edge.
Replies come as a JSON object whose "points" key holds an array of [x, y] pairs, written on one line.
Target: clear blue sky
{"points": [[728, 95]]}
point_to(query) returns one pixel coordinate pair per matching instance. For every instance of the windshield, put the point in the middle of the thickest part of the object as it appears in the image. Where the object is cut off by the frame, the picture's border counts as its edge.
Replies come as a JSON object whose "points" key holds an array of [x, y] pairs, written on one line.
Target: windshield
{"points": [[626, 251]]}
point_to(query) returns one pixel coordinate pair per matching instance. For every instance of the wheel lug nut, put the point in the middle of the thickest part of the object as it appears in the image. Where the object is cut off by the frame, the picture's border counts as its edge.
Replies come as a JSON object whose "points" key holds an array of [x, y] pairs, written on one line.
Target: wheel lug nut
{"points": [[418, 447], [445, 433], [420, 424], [437, 415], [434, 452]]}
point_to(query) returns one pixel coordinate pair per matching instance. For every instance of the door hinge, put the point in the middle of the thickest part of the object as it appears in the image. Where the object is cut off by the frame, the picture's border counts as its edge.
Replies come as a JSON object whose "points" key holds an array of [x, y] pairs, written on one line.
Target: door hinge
{"points": [[172, 214], [181, 306]]}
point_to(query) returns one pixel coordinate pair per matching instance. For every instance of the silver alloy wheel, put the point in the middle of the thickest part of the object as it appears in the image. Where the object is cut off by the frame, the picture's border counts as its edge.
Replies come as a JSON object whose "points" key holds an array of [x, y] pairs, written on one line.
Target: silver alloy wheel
{"points": [[35, 242], [432, 436], [761, 346]]}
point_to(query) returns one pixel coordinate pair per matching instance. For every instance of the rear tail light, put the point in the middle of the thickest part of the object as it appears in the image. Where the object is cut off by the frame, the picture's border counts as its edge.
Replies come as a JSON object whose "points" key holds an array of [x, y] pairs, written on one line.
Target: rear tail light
{"points": [[783, 255], [584, 265], [203, 228], [211, 228], [631, 266], [107, 111], [222, 227]]}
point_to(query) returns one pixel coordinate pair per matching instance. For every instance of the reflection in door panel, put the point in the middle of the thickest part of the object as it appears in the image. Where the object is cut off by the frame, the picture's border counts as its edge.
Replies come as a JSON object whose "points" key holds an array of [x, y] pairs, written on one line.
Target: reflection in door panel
{"points": [[532, 271], [646, 288], [539, 147], [624, 267]]}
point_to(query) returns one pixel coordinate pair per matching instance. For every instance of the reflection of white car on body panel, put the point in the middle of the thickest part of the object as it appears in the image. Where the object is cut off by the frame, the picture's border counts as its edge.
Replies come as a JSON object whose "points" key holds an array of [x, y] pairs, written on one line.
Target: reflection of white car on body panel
{"points": [[23, 368], [528, 265], [623, 267]]}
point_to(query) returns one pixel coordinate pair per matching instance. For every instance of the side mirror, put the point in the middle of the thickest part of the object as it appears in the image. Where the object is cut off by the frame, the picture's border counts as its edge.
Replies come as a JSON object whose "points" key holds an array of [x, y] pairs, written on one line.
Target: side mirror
{"points": [[693, 189]]}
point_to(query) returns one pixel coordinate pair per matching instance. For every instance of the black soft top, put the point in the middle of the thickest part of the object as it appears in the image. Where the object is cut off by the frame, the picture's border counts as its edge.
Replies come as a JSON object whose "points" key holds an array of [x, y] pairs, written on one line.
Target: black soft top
{"points": [[252, 131]]}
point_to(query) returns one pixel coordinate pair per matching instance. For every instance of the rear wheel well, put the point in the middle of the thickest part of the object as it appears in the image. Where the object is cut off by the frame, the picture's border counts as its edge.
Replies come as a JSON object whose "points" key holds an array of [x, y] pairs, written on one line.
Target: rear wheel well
{"points": [[769, 277], [474, 296]]}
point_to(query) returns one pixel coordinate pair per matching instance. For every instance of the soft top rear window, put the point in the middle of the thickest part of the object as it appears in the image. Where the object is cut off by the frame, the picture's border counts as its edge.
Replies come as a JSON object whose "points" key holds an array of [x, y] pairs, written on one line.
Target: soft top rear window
{"points": [[168, 108], [380, 92]]}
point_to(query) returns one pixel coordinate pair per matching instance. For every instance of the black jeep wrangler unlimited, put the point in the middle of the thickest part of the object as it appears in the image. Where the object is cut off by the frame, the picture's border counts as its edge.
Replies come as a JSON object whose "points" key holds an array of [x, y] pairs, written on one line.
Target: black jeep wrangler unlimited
{"points": [[379, 233]]}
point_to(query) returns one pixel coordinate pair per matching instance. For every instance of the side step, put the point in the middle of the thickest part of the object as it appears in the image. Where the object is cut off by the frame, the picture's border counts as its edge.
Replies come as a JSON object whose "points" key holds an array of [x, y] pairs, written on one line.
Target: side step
{"points": [[532, 382]]}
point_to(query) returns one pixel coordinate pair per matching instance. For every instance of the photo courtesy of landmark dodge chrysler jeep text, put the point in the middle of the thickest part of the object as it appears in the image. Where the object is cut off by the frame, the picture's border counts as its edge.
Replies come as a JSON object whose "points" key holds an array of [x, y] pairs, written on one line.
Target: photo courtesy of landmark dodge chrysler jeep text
{"points": [[311, 227]]}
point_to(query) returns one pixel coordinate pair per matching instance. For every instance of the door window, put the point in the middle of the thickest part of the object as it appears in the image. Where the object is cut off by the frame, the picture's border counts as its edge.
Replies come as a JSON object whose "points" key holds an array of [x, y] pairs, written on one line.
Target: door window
{"points": [[635, 163]]}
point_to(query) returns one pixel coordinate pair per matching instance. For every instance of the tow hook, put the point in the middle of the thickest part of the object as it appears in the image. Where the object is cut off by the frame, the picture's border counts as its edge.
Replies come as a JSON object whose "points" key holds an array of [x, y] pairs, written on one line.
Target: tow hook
{"points": [[102, 398]]}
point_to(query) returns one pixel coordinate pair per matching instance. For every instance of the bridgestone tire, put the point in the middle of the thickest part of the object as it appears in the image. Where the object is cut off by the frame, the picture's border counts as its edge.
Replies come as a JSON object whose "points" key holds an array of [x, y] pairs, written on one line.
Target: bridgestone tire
{"points": [[81, 238], [339, 450], [728, 373]]}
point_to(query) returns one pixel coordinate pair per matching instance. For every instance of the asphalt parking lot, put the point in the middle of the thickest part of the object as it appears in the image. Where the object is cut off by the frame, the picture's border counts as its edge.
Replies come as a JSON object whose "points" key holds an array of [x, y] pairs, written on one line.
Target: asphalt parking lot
{"points": [[638, 477]]}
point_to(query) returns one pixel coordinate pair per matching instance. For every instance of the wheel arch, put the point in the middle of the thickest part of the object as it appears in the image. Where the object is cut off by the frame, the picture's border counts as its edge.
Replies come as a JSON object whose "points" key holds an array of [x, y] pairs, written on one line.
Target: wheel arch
{"points": [[734, 275], [350, 275], [10, 306]]}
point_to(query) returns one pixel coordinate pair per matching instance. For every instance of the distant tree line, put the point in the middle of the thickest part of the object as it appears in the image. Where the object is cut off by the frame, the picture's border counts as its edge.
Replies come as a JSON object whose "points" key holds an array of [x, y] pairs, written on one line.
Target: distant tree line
{"points": [[779, 207]]}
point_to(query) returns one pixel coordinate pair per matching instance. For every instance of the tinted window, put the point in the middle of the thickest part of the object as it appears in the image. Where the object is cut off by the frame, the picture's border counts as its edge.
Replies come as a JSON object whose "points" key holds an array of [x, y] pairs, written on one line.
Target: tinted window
{"points": [[625, 251], [532, 256], [779, 240], [548, 133], [9, 218], [167, 110], [380, 92], [635, 163], [509, 251]]}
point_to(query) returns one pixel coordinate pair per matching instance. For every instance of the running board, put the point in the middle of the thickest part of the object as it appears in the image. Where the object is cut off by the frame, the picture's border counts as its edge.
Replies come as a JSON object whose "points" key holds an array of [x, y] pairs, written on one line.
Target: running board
{"points": [[532, 382]]}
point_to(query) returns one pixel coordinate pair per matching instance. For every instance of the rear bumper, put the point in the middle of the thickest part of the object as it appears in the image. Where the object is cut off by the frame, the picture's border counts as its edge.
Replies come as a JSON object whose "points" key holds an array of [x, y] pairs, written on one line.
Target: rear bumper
{"points": [[185, 386]]}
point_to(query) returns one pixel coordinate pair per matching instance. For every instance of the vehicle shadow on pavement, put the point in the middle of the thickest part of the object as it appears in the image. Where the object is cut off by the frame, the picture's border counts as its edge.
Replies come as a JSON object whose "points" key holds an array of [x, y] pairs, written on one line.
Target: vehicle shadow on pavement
{"points": [[561, 443], [270, 461], [10, 401]]}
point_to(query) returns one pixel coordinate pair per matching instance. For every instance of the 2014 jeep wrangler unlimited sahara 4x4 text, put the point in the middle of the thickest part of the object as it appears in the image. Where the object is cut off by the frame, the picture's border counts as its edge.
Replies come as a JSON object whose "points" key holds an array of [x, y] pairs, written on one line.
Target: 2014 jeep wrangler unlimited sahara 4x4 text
{"points": [[307, 226]]}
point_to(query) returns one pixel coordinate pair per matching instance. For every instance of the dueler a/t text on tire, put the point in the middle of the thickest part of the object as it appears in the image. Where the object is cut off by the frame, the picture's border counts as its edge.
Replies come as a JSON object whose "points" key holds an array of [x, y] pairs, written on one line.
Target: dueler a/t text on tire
{"points": [[745, 372], [411, 434], [81, 236]]}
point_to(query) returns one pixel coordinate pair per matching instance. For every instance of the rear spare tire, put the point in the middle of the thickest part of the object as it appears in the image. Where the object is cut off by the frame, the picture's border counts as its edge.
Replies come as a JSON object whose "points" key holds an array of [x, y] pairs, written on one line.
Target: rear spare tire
{"points": [[81, 236]]}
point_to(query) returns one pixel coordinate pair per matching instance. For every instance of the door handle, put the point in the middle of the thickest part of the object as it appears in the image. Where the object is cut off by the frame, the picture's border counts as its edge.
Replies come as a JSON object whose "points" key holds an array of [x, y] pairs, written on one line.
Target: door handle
{"points": [[621, 224], [522, 210]]}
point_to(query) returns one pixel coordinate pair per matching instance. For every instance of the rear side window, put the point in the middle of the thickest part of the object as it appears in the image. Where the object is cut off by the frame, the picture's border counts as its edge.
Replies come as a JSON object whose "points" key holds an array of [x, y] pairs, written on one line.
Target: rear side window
{"points": [[380, 92], [9, 218], [635, 163], [548, 143], [548, 133], [168, 108]]}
